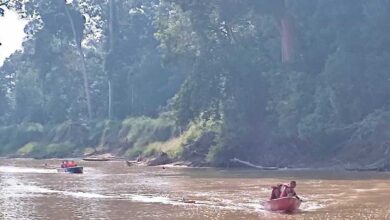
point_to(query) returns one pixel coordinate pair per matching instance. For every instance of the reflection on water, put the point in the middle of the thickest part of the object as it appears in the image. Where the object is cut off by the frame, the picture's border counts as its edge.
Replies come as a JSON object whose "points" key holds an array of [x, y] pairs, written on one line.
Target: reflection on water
{"points": [[111, 190]]}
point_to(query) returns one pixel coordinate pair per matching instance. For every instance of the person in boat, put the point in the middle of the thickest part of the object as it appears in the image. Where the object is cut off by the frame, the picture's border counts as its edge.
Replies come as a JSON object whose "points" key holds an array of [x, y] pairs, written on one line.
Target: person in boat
{"points": [[289, 190], [66, 164], [72, 164], [276, 191], [63, 164]]}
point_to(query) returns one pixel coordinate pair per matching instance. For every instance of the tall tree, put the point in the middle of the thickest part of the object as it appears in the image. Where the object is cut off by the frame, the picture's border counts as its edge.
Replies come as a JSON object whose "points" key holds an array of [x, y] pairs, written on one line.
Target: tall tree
{"points": [[78, 37]]}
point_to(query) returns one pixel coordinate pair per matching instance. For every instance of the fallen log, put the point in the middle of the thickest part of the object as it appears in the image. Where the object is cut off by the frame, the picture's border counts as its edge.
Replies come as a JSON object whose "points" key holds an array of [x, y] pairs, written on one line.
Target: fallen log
{"points": [[249, 164], [134, 163]]}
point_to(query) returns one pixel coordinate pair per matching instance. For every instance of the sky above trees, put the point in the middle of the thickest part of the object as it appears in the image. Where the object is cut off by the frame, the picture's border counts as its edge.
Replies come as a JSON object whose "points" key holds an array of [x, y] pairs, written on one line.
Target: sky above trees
{"points": [[11, 34]]}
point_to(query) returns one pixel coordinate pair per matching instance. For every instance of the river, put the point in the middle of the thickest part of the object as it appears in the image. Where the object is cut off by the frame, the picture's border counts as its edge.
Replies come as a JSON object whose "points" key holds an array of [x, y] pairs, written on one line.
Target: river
{"points": [[111, 190]]}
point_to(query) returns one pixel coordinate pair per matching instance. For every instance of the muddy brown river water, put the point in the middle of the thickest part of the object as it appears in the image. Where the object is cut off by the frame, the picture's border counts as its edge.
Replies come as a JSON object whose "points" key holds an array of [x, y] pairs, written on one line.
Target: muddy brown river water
{"points": [[111, 190]]}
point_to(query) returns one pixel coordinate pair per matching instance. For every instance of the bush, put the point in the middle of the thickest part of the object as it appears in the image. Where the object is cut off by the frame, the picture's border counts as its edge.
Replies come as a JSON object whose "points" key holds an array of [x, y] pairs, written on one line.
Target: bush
{"points": [[28, 149], [142, 136], [105, 134], [59, 149], [37, 150], [172, 147], [69, 132], [16, 136], [142, 131], [134, 135]]}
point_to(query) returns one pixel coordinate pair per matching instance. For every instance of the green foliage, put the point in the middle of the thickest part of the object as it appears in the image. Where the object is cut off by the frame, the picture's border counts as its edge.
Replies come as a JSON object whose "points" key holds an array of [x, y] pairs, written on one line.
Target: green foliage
{"points": [[16, 136], [109, 131], [193, 139], [172, 147], [28, 149], [138, 133], [59, 150], [37, 150], [372, 129], [199, 139], [68, 131], [198, 128], [217, 68], [73, 139]]}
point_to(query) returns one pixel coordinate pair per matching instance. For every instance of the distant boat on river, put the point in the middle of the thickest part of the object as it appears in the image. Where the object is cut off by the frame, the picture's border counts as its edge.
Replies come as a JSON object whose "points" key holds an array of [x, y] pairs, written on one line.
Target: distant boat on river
{"points": [[96, 159], [77, 169]]}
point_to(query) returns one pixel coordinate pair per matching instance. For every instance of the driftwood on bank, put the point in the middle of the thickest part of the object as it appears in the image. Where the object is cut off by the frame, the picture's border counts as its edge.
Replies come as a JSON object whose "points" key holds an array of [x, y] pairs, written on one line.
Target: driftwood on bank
{"points": [[249, 164], [161, 159], [134, 163], [101, 157]]}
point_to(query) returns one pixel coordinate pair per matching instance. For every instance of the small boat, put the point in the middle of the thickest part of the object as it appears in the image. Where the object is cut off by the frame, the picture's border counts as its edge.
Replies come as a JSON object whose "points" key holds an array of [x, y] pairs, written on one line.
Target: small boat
{"points": [[96, 159], [77, 169], [287, 204]]}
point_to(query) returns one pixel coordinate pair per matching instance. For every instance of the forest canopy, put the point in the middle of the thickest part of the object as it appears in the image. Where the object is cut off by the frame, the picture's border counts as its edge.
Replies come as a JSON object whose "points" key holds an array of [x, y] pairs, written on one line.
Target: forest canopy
{"points": [[273, 82]]}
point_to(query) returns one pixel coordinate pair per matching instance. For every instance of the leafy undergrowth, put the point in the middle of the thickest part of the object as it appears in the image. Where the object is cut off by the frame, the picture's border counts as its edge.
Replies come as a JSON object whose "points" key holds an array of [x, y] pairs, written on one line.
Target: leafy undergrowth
{"points": [[200, 143], [74, 139]]}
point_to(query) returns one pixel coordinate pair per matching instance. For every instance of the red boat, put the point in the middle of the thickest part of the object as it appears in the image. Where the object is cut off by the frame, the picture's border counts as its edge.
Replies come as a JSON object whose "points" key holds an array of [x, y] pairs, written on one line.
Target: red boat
{"points": [[283, 204]]}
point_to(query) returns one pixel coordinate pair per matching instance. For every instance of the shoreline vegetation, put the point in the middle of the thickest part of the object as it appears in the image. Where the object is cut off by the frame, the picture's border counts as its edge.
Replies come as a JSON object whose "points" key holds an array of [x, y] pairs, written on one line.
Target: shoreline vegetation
{"points": [[270, 83], [145, 142], [187, 164]]}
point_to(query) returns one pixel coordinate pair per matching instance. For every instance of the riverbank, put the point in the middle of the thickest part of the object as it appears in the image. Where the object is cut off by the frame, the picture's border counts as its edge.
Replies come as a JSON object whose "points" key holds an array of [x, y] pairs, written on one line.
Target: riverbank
{"points": [[159, 142], [132, 138], [150, 162], [166, 162]]}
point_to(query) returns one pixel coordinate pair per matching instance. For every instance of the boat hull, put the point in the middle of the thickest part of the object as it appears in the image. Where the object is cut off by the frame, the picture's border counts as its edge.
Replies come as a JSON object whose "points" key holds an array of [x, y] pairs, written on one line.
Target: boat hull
{"points": [[70, 170], [283, 204], [96, 159]]}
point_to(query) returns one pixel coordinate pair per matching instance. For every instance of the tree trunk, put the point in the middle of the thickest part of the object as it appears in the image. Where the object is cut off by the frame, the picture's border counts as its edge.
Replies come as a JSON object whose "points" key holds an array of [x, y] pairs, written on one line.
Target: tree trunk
{"points": [[110, 49], [288, 41], [109, 100], [83, 64]]}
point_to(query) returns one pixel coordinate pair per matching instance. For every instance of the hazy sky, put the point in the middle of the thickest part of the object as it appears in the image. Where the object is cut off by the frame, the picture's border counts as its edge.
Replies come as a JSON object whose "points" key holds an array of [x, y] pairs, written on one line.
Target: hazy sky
{"points": [[11, 34]]}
